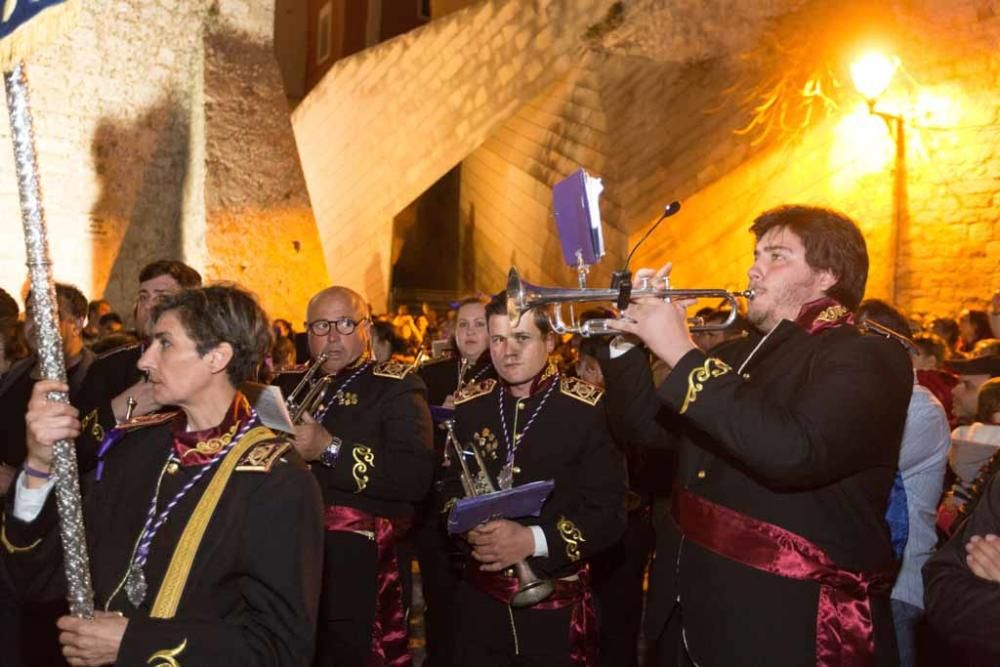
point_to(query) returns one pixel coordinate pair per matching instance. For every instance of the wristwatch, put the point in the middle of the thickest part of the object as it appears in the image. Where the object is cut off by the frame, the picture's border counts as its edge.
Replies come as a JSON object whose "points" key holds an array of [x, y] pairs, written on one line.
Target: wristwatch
{"points": [[328, 456]]}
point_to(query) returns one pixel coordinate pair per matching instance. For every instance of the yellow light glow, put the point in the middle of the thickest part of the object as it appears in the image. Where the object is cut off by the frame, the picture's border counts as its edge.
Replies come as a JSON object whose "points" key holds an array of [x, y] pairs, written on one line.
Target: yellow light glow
{"points": [[872, 74], [862, 146]]}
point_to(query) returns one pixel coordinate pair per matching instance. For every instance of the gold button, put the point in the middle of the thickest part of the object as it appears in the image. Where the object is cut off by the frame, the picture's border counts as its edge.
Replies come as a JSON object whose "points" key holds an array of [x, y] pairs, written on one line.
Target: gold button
{"points": [[172, 468], [520, 405], [701, 474], [746, 376], [515, 470]]}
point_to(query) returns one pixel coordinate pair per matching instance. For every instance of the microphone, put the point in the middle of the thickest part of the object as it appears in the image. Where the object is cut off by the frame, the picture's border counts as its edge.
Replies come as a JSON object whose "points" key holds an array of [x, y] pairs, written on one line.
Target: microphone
{"points": [[622, 280]]}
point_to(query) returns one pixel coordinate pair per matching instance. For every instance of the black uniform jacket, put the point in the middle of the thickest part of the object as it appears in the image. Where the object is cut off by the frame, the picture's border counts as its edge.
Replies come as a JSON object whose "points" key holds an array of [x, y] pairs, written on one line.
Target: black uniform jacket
{"points": [[443, 376], [111, 373], [253, 589], [386, 458], [962, 608], [568, 442], [804, 435]]}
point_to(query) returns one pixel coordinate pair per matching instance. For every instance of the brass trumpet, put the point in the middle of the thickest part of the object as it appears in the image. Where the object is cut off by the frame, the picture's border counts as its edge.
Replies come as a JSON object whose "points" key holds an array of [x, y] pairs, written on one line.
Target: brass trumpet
{"points": [[531, 590], [522, 296], [309, 394]]}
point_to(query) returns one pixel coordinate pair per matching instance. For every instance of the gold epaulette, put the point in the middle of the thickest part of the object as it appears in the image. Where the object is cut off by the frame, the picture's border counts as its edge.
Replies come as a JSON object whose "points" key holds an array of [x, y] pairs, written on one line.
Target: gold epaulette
{"points": [[581, 390], [262, 456], [473, 390], [392, 369], [153, 419]]}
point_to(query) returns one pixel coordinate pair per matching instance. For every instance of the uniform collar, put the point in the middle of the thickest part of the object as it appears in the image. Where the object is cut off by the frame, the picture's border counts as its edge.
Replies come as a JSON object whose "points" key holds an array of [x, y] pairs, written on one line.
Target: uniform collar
{"points": [[822, 314], [195, 448], [541, 381]]}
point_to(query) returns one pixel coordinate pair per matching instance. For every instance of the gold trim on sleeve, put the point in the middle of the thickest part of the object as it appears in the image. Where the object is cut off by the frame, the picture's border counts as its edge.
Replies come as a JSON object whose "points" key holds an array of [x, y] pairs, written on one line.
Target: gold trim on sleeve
{"points": [[8, 545], [712, 368], [364, 458], [168, 656], [572, 536]]}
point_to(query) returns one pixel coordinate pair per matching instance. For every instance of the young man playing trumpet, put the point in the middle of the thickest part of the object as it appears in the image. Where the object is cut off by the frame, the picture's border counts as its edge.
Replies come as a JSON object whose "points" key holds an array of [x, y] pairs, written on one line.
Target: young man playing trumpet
{"points": [[535, 424]]}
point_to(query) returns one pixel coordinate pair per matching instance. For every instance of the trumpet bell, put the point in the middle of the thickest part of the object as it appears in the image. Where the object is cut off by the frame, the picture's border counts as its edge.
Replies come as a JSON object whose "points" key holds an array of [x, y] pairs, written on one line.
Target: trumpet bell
{"points": [[532, 592]]}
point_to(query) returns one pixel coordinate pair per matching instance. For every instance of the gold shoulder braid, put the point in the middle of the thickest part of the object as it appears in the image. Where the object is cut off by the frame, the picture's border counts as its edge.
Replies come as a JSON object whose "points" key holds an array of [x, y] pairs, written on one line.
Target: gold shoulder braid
{"points": [[581, 390], [391, 369], [473, 390], [169, 595], [572, 536], [168, 656], [262, 457], [364, 458], [712, 368]]}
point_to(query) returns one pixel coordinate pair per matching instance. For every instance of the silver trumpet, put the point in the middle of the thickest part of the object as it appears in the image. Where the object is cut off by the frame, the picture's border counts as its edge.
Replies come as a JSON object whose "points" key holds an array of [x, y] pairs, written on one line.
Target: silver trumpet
{"points": [[309, 393], [522, 296], [531, 590]]}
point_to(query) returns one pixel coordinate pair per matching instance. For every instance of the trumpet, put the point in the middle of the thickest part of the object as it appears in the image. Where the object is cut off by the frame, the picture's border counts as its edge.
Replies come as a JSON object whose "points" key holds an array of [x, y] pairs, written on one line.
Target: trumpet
{"points": [[522, 296], [309, 394], [531, 590]]}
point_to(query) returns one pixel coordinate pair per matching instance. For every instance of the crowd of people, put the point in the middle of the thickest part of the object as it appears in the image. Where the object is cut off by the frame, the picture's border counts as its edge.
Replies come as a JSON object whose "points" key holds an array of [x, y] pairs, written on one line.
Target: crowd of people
{"points": [[811, 484]]}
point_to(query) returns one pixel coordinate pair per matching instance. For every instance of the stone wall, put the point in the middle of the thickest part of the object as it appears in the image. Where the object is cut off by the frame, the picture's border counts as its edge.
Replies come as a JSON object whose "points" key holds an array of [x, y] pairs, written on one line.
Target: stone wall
{"points": [[385, 124], [126, 146], [654, 110]]}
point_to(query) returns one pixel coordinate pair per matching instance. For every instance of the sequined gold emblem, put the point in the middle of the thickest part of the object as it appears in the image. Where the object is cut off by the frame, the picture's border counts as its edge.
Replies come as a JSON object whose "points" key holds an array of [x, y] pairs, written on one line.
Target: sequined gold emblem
{"points": [[487, 442], [712, 368], [572, 536]]}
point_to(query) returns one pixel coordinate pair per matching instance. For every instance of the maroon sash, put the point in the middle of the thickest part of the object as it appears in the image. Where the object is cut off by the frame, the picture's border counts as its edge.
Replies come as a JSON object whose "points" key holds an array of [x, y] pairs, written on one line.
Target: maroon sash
{"points": [[389, 644], [844, 633], [584, 637]]}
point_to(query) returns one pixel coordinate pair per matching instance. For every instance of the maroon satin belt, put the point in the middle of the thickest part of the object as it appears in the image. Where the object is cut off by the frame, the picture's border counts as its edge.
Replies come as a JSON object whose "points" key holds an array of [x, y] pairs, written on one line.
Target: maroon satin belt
{"points": [[583, 632], [389, 639], [844, 633]]}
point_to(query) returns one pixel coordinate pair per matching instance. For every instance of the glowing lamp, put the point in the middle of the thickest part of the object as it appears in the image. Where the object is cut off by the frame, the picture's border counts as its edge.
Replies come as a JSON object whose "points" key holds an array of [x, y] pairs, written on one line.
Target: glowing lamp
{"points": [[872, 73]]}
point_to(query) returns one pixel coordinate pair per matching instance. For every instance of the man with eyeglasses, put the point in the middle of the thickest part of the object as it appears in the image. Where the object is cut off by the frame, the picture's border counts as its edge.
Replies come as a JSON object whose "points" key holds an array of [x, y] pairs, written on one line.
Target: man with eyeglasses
{"points": [[369, 444]]}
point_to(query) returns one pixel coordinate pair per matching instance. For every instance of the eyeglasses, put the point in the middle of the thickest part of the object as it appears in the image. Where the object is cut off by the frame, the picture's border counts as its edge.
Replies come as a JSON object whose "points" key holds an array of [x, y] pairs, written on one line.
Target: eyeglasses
{"points": [[345, 326]]}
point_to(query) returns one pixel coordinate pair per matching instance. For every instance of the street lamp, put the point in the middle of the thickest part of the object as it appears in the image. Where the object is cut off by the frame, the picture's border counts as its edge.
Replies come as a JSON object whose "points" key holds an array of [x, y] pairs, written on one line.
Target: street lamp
{"points": [[872, 73]]}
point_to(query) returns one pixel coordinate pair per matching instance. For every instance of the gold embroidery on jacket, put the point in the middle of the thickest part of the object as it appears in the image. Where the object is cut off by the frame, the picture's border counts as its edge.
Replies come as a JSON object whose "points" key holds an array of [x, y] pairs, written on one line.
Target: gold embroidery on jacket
{"points": [[212, 446], [262, 457], [473, 389], [90, 423], [831, 314], [581, 390], [487, 443], [10, 547], [346, 398], [168, 656], [712, 368], [364, 458], [572, 536]]}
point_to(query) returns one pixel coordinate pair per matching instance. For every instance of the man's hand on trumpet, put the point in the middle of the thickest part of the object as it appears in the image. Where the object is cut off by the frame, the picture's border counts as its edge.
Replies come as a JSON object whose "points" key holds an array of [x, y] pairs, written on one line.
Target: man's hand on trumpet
{"points": [[500, 543], [311, 438], [661, 325]]}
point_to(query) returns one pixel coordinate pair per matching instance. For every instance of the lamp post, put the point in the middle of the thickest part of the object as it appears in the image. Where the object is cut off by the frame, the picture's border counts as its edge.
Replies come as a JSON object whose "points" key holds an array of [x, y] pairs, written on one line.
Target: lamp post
{"points": [[872, 74]]}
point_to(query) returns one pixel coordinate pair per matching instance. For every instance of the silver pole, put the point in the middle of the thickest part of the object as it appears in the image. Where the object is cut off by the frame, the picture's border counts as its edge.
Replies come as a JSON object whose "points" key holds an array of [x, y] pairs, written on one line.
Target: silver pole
{"points": [[50, 351]]}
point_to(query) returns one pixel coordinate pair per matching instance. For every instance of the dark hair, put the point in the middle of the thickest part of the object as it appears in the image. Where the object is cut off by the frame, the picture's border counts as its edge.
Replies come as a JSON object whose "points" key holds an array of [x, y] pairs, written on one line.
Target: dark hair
{"points": [[385, 332], [95, 305], [980, 322], [469, 300], [283, 352], [884, 314], [988, 400], [931, 344], [498, 306], [985, 347], [109, 318], [833, 243], [947, 329], [285, 323], [179, 271], [70, 301], [222, 314], [8, 306], [112, 341]]}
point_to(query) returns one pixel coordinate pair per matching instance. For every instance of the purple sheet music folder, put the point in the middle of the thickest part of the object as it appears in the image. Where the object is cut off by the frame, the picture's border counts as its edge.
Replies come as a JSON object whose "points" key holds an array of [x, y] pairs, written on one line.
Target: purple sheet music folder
{"points": [[525, 500], [578, 217]]}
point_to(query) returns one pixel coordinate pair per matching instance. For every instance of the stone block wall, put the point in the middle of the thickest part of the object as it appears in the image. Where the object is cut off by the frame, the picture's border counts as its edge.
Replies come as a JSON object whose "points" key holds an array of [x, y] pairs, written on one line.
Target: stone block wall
{"points": [[163, 132], [385, 124]]}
